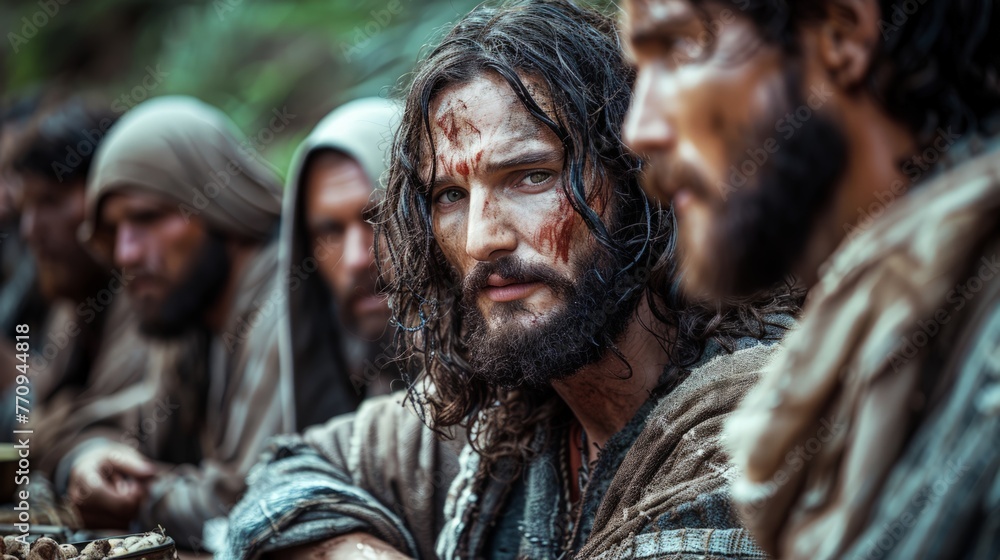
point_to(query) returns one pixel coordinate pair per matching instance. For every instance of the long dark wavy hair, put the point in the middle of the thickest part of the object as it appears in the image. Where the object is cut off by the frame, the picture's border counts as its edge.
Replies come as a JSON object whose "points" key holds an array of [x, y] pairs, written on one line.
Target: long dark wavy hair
{"points": [[574, 54], [937, 64]]}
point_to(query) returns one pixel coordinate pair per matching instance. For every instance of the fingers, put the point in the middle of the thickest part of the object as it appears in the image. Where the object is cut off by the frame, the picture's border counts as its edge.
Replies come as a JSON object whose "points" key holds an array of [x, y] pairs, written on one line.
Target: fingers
{"points": [[110, 484], [127, 488], [130, 462]]}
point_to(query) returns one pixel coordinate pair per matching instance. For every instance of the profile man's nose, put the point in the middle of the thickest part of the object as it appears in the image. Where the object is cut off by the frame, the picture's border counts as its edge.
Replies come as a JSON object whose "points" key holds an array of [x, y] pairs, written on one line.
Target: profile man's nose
{"points": [[647, 124]]}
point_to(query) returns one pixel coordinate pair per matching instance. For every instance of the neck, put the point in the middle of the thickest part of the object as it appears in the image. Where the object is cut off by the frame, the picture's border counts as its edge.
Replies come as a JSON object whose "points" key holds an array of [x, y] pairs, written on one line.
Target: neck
{"points": [[604, 396], [240, 255], [873, 181]]}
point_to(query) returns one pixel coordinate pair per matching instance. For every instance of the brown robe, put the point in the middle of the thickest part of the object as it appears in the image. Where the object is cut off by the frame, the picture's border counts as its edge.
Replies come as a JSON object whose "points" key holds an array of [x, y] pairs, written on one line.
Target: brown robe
{"points": [[205, 418], [868, 373]]}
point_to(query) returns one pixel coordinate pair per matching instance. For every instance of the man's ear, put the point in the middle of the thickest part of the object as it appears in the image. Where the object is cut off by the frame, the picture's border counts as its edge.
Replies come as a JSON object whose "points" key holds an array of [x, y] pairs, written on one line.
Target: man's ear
{"points": [[848, 39]]}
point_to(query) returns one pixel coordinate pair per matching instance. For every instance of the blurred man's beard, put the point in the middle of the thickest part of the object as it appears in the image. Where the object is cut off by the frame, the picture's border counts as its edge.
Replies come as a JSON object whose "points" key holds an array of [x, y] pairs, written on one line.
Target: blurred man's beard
{"points": [[184, 307], [370, 326], [760, 233], [73, 277], [571, 337]]}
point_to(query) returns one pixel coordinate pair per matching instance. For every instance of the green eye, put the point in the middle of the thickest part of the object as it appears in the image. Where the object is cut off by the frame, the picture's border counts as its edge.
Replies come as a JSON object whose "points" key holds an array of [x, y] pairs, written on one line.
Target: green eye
{"points": [[538, 177], [450, 196]]}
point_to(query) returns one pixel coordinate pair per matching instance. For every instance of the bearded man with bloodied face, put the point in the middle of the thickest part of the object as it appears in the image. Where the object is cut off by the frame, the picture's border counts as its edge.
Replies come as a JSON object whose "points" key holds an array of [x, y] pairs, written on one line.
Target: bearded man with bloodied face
{"points": [[532, 283], [853, 143]]}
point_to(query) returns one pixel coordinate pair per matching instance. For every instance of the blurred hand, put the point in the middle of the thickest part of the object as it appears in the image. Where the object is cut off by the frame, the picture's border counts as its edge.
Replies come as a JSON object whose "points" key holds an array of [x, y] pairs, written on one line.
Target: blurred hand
{"points": [[352, 546], [108, 483]]}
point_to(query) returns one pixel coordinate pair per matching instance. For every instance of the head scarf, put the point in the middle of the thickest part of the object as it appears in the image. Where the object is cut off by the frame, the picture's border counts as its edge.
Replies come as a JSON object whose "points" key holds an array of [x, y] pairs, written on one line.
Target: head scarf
{"points": [[313, 351], [190, 153]]}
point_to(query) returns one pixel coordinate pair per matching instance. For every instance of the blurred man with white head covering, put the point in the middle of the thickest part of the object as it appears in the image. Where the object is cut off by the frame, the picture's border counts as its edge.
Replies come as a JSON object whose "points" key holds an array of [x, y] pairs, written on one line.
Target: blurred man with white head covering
{"points": [[190, 214]]}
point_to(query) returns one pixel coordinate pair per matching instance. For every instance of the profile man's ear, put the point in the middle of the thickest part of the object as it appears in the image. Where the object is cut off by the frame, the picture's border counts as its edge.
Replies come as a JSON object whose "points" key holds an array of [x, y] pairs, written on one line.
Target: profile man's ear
{"points": [[848, 39]]}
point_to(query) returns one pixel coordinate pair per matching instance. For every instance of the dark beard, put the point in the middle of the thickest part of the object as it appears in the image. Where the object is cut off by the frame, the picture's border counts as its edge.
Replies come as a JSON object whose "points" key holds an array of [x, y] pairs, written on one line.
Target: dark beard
{"points": [[573, 337], [183, 308], [761, 232]]}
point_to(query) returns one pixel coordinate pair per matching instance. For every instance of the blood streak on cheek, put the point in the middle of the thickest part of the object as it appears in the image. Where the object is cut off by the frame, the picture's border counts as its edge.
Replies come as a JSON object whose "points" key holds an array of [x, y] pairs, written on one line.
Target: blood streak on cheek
{"points": [[558, 232]]}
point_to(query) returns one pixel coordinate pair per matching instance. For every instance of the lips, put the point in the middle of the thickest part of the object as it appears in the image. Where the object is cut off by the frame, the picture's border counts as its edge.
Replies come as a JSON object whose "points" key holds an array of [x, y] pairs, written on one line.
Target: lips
{"points": [[499, 289]]}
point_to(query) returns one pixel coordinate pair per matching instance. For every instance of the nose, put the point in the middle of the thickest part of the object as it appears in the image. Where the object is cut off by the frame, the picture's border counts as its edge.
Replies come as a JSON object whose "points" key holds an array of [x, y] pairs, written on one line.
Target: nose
{"points": [[358, 254], [128, 247], [488, 236], [647, 126]]}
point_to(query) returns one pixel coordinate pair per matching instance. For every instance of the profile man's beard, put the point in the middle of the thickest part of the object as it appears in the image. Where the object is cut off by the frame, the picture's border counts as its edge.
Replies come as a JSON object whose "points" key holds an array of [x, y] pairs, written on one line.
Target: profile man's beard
{"points": [[760, 234], [184, 307], [572, 337]]}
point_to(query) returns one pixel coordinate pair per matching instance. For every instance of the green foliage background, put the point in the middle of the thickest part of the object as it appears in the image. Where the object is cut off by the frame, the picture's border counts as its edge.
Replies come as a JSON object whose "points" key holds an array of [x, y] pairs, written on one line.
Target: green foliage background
{"points": [[247, 57]]}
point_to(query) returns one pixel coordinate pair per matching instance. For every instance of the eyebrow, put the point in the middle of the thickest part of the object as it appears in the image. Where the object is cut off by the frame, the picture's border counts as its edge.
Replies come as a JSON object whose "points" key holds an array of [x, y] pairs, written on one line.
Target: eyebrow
{"points": [[652, 30], [537, 157], [522, 160]]}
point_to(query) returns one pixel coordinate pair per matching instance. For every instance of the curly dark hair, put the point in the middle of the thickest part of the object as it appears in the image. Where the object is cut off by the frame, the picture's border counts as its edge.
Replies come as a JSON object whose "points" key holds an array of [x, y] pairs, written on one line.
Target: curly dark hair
{"points": [[574, 55], [938, 63]]}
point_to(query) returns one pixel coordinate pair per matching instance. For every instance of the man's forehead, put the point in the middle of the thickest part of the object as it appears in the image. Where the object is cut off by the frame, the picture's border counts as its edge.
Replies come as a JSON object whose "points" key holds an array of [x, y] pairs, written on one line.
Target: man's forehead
{"points": [[485, 114], [489, 97], [329, 168], [121, 202]]}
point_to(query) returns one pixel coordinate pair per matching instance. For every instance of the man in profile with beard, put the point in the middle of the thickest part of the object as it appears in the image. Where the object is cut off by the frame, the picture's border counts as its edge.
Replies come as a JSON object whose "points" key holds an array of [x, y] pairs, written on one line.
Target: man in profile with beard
{"points": [[862, 134], [531, 280], [190, 214]]}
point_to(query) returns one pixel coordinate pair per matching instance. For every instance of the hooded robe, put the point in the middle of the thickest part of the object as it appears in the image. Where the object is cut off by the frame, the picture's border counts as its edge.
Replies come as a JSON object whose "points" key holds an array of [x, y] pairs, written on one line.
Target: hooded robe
{"points": [[315, 349], [207, 418]]}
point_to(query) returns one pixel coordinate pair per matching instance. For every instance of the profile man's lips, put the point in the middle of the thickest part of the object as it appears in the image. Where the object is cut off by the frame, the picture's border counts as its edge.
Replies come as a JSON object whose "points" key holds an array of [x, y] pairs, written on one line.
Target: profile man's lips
{"points": [[510, 290]]}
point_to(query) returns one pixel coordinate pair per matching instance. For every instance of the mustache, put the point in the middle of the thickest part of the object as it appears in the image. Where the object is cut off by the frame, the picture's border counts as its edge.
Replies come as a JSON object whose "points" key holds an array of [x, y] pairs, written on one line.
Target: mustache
{"points": [[367, 285], [136, 273], [513, 268], [663, 175]]}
